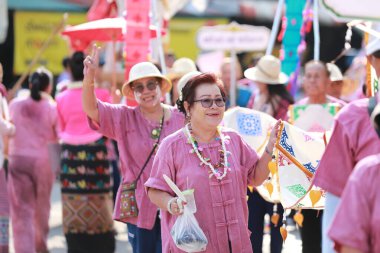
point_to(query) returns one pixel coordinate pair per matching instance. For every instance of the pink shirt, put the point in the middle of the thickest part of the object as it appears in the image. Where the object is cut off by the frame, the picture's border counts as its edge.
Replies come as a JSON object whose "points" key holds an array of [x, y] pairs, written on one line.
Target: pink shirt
{"points": [[73, 125], [133, 135], [353, 139], [356, 223], [222, 210], [35, 123]]}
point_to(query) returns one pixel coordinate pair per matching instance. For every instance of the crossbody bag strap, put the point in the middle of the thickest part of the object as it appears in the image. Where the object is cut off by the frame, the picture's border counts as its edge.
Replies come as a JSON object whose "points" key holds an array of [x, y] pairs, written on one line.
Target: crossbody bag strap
{"points": [[153, 149]]}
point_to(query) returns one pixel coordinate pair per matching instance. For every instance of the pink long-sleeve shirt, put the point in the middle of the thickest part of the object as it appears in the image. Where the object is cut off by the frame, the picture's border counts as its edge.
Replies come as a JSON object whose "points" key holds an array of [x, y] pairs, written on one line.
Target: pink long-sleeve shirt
{"points": [[73, 125], [353, 139], [133, 135], [222, 210], [356, 223], [35, 123]]}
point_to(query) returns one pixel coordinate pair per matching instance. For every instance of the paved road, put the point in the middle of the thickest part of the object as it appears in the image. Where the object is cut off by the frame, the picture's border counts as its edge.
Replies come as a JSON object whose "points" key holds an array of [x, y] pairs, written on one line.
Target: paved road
{"points": [[57, 243]]}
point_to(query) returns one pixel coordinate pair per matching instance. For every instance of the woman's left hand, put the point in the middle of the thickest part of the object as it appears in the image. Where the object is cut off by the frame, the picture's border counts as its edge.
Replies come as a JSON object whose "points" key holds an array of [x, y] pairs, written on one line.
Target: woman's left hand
{"points": [[273, 135]]}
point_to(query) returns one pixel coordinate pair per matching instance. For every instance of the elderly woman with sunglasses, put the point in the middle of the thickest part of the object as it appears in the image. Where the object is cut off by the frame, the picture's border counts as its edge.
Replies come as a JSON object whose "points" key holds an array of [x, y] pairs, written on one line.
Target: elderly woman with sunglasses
{"points": [[215, 162], [137, 132]]}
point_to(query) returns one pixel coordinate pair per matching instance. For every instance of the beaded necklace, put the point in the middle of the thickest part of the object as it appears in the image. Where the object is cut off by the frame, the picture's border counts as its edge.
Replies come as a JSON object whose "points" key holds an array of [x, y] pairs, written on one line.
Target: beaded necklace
{"points": [[156, 131], [223, 162]]}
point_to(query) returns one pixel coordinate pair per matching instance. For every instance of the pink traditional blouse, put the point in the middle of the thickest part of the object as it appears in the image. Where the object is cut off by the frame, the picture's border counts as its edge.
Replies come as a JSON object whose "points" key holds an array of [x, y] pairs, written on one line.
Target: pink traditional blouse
{"points": [[356, 223], [132, 132], [353, 139], [35, 123], [73, 126], [222, 210]]}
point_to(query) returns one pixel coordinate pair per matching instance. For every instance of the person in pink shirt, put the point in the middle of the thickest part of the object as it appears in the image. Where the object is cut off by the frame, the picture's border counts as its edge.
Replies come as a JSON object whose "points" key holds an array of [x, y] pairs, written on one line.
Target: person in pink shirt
{"points": [[85, 175], [315, 82], [30, 175], [355, 228], [353, 138], [137, 131], [215, 162]]}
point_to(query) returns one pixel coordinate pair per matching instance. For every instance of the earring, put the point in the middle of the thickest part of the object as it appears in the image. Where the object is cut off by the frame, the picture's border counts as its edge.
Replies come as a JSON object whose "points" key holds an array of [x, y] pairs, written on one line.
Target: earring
{"points": [[188, 116]]}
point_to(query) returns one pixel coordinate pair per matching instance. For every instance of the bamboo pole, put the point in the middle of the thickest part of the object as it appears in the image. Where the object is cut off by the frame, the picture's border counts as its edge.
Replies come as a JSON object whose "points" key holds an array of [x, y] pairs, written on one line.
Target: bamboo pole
{"points": [[56, 30]]}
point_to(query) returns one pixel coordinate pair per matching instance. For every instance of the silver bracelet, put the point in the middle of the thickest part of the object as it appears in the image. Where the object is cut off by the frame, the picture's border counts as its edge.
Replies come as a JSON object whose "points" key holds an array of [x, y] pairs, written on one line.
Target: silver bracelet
{"points": [[168, 205]]}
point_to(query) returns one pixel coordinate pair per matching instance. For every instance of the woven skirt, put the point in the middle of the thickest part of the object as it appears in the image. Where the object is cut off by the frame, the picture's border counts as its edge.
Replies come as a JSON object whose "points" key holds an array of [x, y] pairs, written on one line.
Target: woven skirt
{"points": [[87, 203]]}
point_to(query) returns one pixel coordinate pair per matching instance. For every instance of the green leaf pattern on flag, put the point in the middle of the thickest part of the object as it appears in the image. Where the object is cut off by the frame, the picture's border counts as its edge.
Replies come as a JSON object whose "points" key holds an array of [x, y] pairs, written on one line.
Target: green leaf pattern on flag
{"points": [[297, 190]]}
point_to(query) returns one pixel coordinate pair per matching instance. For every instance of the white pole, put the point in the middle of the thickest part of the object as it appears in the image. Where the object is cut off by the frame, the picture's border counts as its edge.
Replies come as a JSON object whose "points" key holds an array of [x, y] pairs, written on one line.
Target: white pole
{"points": [[275, 26], [233, 79], [316, 30], [157, 23]]}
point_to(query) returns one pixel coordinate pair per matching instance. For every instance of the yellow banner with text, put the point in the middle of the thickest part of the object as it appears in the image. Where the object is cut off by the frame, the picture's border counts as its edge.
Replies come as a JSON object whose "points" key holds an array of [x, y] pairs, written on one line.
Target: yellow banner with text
{"points": [[31, 30]]}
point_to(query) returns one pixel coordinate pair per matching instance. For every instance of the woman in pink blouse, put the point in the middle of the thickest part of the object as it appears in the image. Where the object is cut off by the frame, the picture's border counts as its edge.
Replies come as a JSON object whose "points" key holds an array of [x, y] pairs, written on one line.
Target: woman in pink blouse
{"points": [[214, 161], [137, 131], [85, 175], [30, 175]]}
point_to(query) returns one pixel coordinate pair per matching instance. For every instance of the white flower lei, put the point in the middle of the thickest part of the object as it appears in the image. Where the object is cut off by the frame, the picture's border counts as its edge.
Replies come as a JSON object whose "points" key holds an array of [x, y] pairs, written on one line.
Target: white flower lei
{"points": [[203, 160]]}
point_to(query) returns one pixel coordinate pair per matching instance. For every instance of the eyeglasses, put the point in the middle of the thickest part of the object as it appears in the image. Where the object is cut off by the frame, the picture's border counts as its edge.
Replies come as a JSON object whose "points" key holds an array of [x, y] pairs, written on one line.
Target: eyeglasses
{"points": [[150, 85], [207, 102]]}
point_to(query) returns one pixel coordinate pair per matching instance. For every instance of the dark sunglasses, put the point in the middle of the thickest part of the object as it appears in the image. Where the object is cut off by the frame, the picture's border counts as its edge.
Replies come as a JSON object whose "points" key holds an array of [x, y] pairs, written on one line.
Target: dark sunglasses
{"points": [[207, 102], [150, 85]]}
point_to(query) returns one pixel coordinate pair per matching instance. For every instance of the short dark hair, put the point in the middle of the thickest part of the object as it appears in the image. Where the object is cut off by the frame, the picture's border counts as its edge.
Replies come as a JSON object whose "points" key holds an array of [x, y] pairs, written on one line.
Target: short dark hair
{"points": [[76, 66], [188, 91]]}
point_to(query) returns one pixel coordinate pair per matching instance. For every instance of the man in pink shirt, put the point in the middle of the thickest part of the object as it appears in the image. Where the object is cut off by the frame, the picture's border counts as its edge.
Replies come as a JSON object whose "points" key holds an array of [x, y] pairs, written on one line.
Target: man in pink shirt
{"points": [[353, 139], [355, 228], [315, 83]]}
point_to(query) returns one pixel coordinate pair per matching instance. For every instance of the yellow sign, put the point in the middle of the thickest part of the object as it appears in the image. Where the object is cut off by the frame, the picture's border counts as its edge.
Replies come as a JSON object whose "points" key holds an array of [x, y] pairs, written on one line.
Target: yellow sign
{"points": [[183, 33], [31, 30]]}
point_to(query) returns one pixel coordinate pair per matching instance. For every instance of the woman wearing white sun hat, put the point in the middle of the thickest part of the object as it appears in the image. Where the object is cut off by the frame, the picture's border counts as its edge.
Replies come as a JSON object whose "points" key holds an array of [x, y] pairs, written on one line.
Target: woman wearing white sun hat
{"points": [[273, 99], [181, 67], [137, 132]]}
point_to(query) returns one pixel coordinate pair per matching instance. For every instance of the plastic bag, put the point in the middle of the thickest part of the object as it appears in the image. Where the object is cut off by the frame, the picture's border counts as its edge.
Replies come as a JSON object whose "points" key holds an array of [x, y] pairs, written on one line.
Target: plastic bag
{"points": [[187, 234]]}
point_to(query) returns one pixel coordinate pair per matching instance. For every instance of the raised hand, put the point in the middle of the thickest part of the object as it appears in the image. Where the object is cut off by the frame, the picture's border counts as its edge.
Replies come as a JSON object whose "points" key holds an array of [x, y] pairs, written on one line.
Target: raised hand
{"points": [[273, 135], [91, 63]]}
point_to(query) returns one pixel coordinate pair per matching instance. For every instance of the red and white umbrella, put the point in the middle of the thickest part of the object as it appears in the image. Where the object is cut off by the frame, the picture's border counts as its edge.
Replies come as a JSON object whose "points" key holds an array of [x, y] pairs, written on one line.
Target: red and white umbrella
{"points": [[107, 29]]}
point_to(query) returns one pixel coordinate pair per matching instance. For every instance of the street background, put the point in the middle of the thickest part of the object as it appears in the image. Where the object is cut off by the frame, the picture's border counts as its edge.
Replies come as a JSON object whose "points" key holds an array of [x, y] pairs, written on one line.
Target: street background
{"points": [[57, 242]]}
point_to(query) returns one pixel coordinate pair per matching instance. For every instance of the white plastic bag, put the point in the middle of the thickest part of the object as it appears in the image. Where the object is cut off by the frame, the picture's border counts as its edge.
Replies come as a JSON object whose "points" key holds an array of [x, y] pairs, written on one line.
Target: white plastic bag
{"points": [[187, 234]]}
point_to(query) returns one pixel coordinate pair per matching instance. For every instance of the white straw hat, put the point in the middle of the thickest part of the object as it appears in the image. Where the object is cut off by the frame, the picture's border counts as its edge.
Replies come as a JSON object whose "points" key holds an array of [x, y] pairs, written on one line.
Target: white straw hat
{"points": [[144, 70], [181, 67], [335, 73], [267, 70]]}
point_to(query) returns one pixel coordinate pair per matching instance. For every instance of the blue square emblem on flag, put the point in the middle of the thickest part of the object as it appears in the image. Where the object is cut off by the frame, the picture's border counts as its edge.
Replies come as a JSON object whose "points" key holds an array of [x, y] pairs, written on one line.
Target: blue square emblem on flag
{"points": [[249, 124]]}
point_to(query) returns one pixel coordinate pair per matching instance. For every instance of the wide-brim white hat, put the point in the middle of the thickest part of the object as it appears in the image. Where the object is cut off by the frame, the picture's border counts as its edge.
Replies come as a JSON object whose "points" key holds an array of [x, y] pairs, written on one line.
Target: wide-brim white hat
{"points": [[181, 67], [144, 70], [267, 70]]}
